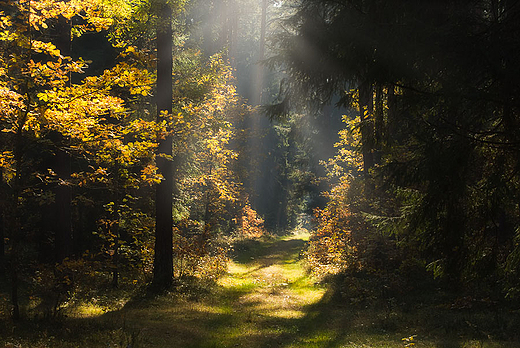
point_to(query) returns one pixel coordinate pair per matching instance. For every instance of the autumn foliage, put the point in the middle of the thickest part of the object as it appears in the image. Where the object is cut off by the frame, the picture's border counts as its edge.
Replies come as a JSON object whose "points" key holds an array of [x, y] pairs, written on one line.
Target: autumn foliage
{"points": [[78, 141], [250, 224]]}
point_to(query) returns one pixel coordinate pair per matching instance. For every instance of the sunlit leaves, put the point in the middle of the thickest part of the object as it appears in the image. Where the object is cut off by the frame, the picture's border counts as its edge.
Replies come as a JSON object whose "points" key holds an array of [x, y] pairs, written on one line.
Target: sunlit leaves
{"points": [[38, 97], [45, 47], [137, 80], [348, 160], [11, 103], [7, 166], [94, 12], [251, 225], [211, 132], [331, 248]]}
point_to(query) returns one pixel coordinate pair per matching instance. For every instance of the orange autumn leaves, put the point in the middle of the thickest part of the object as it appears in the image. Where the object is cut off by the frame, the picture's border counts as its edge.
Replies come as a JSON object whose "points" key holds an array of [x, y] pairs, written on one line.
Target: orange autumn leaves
{"points": [[95, 115]]}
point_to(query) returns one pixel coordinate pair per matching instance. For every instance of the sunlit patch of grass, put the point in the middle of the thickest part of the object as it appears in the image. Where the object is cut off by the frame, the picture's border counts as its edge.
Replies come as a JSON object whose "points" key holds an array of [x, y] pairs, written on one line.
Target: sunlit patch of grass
{"points": [[88, 310], [238, 278], [299, 233], [237, 284], [237, 269], [287, 314], [317, 339]]}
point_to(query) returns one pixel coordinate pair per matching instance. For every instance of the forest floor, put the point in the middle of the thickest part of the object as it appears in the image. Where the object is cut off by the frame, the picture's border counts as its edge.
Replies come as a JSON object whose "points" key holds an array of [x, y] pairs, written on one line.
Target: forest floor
{"points": [[267, 299]]}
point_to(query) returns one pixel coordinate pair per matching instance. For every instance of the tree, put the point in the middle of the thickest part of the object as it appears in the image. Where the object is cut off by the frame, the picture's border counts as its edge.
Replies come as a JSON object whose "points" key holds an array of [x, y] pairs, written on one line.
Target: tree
{"points": [[46, 112], [163, 262], [432, 116], [32, 68]]}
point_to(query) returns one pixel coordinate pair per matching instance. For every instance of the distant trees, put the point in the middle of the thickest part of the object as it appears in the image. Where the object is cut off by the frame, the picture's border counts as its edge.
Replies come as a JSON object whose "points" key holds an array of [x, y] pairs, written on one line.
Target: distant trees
{"points": [[235, 27]]}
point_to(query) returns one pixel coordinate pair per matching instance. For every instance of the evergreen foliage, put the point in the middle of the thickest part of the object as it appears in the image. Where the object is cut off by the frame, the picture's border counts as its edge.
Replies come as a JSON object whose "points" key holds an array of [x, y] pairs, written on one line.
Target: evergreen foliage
{"points": [[433, 143]]}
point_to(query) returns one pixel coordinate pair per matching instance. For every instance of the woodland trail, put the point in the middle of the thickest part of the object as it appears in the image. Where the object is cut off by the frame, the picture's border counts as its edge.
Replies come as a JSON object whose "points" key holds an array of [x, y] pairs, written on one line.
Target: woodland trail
{"points": [[263, 301], [266, 299]]}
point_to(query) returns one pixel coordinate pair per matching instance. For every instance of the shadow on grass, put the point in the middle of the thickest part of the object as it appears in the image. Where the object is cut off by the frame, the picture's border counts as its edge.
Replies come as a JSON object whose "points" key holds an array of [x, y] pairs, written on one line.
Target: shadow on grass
{"points": [[237, 316], [335, 322], [268, 251], [252, 314]]}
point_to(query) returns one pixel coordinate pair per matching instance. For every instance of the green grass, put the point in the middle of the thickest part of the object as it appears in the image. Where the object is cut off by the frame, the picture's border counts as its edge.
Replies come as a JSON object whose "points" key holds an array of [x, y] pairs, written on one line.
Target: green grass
{"points": [[267, 299]]}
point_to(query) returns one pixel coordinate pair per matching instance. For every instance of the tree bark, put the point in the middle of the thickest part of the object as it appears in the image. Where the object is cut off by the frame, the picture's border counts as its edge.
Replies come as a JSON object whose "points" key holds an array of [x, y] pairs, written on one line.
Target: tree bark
{"points": [[233, 40], [379, 124], [63, 205], [2, 245], [115, 257], [367, 137], [392, 115], [14, 291], [259, 78], [163, 261], [16, 235]]}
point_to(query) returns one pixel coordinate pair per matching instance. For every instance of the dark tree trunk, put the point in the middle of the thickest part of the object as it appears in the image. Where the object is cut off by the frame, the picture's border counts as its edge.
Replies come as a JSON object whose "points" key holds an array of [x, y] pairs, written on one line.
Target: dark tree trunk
{"points": [[163, 262], [63, 202], [207, 206], [63, 205], [115, 258], [258, 83], [225, 33], [392, 117], [16, 235], [114, 229], [2, 246], [233, 40], [263, 29], [379, 124], [367, 129], [14, 291]]}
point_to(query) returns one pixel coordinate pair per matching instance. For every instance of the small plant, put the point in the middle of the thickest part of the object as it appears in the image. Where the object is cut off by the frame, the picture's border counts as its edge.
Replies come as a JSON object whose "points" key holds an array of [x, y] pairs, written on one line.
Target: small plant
{"points": [[251, 225], [409, 341]]}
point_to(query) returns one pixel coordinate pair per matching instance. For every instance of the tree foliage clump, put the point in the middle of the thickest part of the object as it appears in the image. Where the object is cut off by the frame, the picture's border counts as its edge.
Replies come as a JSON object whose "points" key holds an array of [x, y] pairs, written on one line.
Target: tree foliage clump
{"points": [[79, 151], [63, 136], [434, 167]]}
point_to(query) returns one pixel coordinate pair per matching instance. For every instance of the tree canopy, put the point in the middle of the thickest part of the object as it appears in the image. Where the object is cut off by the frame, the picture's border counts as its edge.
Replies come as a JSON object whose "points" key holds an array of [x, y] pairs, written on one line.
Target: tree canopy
{"points": [[433, 141]]}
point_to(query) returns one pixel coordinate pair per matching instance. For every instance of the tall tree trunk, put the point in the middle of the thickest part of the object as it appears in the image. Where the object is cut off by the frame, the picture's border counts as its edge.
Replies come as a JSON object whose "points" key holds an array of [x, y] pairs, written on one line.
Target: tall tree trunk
{"points": [[263, 29], [14, 290], [115, 257], [233, 40], [392, 125], [2, 244], [367, 129], [225, 33], [16, 234], [259, 78], [63, 205], [163, 261], [114, 230], [379, 124], [63, 202], [207, 207]]}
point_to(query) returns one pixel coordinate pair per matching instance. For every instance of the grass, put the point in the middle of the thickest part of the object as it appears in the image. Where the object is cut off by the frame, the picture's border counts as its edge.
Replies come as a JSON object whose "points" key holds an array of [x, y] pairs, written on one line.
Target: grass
{"points": [[266, 299]]}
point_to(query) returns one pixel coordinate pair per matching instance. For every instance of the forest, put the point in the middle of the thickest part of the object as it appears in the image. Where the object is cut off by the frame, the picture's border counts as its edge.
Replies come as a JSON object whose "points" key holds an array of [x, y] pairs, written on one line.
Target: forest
{"points": [[259, 173]]}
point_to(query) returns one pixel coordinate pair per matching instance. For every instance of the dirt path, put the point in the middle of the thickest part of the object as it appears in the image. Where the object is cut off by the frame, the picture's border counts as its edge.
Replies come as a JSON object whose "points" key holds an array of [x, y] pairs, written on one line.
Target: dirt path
{"points": [[273, 293], [261, 302]]}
